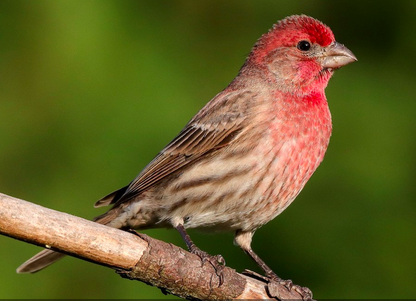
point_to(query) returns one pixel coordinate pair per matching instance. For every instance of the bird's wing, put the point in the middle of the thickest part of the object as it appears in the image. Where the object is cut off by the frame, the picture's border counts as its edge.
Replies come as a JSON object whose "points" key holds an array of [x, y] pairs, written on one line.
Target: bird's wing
{"points": [[214, 127]]}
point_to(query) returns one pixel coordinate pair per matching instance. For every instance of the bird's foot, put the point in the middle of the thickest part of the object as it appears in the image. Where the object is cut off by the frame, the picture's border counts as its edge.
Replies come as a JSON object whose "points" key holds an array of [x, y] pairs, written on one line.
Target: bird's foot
{"points": [[217, 261], [304, 292]]}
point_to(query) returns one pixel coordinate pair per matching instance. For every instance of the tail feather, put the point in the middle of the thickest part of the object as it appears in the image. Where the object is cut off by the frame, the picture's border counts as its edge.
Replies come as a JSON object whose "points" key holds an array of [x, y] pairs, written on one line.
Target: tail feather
{"points": [[39, 261]]}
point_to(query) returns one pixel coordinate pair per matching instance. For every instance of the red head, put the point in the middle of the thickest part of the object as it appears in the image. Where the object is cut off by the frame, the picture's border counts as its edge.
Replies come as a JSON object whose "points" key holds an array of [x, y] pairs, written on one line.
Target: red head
{"points": [[301, 54], [291, 30]]}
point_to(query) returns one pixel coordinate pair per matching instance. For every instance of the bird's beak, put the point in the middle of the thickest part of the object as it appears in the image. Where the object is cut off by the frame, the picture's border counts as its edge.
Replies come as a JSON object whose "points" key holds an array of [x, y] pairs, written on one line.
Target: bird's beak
{"points": [[337, 55]]}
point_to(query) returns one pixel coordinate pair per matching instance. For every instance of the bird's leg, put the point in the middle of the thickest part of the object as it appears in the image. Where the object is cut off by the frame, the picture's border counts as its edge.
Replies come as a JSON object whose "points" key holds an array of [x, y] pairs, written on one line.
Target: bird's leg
{"points": [[216, 261], [305, 292], [243, 239], [268, 271]]}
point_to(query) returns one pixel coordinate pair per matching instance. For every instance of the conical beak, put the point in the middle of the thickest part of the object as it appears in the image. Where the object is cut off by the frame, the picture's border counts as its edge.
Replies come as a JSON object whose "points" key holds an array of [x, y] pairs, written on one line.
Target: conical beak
{"points": [[337, 55]]}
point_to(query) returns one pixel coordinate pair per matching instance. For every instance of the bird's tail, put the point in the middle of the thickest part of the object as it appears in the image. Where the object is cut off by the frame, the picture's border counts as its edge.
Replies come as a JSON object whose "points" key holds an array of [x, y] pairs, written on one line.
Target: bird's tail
{"points": [[46, 257], [40, 261]]}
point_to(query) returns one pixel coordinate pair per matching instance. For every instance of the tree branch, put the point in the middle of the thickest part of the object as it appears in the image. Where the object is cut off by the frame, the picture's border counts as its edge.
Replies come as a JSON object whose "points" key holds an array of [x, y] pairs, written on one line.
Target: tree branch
{"points": [[137, 257]]}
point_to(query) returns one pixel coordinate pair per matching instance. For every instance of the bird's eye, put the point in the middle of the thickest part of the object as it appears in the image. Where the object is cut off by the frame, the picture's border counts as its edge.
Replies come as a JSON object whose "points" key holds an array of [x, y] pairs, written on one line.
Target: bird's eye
{"points": [[304, 45]]}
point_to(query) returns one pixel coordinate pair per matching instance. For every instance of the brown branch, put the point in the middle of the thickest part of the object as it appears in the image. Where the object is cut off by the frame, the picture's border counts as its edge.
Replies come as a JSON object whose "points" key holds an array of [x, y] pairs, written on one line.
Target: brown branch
{"points": [[138, 257]]}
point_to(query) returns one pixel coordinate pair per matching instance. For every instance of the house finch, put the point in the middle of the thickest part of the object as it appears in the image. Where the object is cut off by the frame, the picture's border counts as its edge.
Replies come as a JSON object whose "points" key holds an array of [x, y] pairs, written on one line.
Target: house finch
{"points": [[246, 155]]}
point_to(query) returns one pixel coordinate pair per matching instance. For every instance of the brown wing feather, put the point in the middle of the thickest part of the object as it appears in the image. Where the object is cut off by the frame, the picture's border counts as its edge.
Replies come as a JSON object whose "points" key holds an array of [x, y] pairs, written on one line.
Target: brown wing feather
{"points": [[172, 159], [204, 133]]}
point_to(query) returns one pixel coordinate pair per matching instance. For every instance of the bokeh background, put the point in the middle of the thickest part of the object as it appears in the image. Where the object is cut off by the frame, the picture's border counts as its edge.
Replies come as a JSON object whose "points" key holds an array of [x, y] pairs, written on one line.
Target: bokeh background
{"points": [[91, 90]]}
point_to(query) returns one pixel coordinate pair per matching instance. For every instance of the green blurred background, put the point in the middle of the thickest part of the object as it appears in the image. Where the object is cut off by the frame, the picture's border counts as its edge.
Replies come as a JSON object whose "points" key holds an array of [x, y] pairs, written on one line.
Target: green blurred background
{"points": [[91, 90]]}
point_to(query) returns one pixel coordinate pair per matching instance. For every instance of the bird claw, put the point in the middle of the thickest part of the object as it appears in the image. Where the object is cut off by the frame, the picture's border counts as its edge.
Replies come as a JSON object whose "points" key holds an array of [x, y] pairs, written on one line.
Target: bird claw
{"points": [[217, 261], [286, 283], [304, 292]]}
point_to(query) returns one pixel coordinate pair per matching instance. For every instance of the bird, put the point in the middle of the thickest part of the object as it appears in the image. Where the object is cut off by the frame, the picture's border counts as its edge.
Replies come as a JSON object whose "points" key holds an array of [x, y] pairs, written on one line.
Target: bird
{"points": [[246, 155]]}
